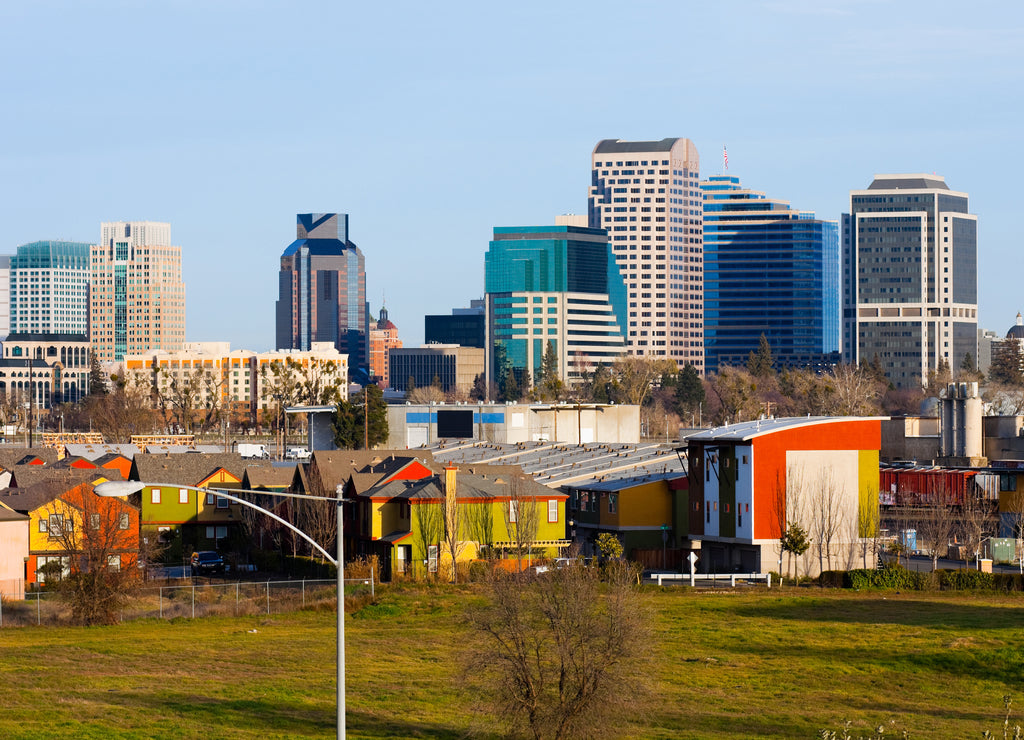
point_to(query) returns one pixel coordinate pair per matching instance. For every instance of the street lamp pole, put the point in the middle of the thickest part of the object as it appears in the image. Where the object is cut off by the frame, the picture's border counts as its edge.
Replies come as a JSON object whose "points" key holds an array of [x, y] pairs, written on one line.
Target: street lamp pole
{"points": [[126, 488]]}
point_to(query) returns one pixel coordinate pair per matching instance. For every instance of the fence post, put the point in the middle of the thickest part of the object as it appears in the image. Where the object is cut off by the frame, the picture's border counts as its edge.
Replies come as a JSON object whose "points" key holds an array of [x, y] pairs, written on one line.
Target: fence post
{"points": [[38, 617], [161, 602], [373, 590], [1, 610], [732, 580], [236, 598], [769, 581], [193, 602], [268, 597], [303, 593]]}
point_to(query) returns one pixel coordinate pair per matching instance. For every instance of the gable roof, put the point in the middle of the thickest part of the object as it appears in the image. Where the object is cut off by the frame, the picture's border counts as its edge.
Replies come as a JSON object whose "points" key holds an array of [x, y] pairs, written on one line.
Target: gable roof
{"points": [[24, 476], [271, 477], [42, 492], [337, 467], [468, 486], [188, 469], [94, 452], [12, 456]]}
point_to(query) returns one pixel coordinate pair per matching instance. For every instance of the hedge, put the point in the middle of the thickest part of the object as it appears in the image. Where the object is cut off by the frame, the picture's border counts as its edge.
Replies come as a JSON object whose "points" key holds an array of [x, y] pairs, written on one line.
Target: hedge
{"points": [[894, 577]]}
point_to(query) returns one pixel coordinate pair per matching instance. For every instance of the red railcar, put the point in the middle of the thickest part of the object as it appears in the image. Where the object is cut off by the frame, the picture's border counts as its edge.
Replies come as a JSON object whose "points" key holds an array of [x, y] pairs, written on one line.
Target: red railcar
{"points": [[925, 486]]}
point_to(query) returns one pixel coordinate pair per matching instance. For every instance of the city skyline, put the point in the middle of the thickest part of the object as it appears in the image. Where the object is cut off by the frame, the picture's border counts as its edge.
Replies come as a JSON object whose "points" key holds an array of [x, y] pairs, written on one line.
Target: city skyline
{"points": [[229, 155]]}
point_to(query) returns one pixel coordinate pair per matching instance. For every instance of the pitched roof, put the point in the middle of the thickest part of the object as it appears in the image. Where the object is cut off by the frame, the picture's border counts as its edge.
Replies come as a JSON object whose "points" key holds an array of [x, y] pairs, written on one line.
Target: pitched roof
{"points": [[468, 486], [24, 476], [41, 492], [11, 456], [188, 469], [336, 467], [95, 452], [262, 476]]}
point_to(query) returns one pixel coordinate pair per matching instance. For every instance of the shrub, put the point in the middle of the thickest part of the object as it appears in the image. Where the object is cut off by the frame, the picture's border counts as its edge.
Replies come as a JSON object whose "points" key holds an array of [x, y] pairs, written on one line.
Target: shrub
{"points": [[1008, 582], [966, 580], [834, 579], [892, 577]]}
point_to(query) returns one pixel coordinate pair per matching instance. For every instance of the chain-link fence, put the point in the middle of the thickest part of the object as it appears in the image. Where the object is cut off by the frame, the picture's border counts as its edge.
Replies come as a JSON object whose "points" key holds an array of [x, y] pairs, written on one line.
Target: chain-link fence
{"points": [[194, 600]]}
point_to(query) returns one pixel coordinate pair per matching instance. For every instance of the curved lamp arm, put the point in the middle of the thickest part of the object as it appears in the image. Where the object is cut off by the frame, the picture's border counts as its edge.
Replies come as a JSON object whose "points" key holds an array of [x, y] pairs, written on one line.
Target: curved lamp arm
{"points": [[126, 488]]}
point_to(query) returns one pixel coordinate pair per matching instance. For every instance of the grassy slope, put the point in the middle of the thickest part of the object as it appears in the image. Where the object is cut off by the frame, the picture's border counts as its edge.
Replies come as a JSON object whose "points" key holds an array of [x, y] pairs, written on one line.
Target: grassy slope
{"points": [[728, 666]]}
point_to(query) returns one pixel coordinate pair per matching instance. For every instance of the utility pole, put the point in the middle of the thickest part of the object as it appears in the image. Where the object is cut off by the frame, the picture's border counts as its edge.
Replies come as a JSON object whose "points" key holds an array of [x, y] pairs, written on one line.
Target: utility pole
{"points": [[366, 418]]}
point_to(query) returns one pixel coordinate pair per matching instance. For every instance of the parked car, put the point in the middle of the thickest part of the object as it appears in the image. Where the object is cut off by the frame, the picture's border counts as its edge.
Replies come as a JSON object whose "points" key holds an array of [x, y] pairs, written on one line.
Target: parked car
{"points": [[207, 561]]}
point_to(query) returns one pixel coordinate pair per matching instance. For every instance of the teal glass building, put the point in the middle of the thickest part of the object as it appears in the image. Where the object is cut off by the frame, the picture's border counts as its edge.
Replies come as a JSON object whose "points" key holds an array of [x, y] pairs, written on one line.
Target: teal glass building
{"points": [[50, 288], [555, 285], [768, 269]]}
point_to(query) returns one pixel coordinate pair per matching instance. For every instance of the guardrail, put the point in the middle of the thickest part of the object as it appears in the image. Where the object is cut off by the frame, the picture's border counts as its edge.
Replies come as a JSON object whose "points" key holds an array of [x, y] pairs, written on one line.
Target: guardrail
{"points": [[731, 577]]}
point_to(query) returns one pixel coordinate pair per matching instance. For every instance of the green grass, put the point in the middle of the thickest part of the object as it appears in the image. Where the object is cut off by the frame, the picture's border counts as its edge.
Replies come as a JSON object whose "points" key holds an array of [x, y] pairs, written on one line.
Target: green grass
{"points": [[728, 665]]}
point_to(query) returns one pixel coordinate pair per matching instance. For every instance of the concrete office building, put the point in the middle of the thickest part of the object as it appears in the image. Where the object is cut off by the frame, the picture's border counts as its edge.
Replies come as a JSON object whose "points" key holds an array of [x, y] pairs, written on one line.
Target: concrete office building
{"points": [[553, 285], [768, 269], [322, 289], [138, 295], [646, 195], [910, 277], [465, 326], [49, 288]]}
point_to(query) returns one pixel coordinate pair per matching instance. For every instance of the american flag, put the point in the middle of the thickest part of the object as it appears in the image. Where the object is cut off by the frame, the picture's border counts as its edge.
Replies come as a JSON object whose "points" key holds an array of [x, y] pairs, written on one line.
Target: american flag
{"points": [[725, 156]]}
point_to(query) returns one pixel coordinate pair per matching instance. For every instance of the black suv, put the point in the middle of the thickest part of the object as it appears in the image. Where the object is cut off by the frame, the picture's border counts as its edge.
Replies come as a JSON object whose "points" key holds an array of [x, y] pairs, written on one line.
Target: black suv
{"points": [[207, 561]]}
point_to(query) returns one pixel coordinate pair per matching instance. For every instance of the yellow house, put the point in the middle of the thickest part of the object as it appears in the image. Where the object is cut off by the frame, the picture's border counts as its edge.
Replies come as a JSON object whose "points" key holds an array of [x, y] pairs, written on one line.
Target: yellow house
{"points": [[405, 522]]}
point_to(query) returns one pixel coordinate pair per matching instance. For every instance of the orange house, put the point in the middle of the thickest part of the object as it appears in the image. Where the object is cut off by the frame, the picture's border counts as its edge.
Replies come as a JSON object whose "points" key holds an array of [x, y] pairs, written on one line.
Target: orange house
{"points": [[71, 525]]}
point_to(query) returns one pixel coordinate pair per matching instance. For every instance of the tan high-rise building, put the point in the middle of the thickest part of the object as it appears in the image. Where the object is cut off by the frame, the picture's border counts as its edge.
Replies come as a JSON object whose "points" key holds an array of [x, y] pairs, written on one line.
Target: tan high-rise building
{"points": [[647, 195], [137, 301]]}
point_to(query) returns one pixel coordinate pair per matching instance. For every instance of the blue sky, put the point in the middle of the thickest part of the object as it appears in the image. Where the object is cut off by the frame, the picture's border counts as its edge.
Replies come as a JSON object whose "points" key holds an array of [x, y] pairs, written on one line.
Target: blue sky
{"points": [[429, 124]]}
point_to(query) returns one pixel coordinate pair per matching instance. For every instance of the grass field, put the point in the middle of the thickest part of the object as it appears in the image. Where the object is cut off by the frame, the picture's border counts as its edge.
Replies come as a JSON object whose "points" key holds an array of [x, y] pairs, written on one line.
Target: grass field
{"points": [[727, 665]]}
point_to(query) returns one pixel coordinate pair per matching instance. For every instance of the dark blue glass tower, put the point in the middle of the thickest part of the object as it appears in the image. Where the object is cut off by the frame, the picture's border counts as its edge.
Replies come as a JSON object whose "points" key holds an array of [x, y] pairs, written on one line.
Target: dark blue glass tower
{"points": [[768, 269]]}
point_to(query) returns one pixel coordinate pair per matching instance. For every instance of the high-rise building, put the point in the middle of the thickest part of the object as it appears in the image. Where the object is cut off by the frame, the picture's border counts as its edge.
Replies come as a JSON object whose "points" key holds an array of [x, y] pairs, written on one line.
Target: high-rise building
{"points": [[555, 285], [910, 277], [49, 288], [646, 195], [383, 338], [138, 295], [5, 295], [771, 270], [322, 289]]}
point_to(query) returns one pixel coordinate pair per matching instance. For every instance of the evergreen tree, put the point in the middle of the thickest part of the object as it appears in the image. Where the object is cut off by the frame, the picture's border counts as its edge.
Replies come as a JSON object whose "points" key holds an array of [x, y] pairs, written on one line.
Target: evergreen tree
{"points": [[689, 391], [354, 423], [761, 363], [549, 385], [510, 390], [479, 390], [98, 385]]}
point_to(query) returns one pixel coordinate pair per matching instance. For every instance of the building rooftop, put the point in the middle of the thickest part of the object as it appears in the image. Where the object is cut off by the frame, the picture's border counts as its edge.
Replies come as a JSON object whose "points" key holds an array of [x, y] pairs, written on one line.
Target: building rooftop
{"points": [[612, 146], [747, 430], [908, 182]]}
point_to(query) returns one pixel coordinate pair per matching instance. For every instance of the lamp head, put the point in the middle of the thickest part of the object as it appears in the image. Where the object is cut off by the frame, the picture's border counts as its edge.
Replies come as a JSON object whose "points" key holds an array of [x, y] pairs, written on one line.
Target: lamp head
{"points": [[118, 488]]}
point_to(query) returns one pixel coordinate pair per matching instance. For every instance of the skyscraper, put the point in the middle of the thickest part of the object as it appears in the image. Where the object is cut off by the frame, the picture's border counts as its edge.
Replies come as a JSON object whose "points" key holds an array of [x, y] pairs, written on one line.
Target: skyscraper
{"points": [[138, 295], [910, 277], [383, 338], [646, 194], [553, 284], [322, 289], [50, 288], [768, 269]]}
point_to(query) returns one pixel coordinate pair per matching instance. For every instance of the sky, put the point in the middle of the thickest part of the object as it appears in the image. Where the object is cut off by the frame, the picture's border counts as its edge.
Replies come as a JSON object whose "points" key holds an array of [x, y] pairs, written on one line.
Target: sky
{"points": [[432, 123]]}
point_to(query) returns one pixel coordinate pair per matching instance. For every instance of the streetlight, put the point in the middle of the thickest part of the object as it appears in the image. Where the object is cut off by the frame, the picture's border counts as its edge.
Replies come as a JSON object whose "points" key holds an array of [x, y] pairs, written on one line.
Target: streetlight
{"points": [[120, 489]]}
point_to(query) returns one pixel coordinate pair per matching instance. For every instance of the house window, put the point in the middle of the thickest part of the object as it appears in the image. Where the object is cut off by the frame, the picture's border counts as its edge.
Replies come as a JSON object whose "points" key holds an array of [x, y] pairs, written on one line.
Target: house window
{"points": [[222, 503], [513, 510], [57, 525], [1007, 482], [42, 526], [432, 558], [552, 511], [182, 495], [114, 562], [209, 499], [744, 459], [613, 503], [155, 496], [94, 521], [124, 521]]}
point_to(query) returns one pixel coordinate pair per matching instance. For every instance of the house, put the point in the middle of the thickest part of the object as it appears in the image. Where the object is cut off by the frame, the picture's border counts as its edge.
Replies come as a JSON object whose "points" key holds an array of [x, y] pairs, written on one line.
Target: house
{"points": [[14, 550], [403, 522], [641, 511], [67, 520], [182, 518], [748, 482]]}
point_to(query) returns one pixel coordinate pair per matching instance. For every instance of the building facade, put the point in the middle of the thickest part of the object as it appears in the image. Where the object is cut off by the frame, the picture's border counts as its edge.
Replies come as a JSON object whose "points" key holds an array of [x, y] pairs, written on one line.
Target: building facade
{"points": [[5, 295], [454, 367], [771, 270], [465, 326], [646, 195], [242, 382], [322, 289], [49, 288], [910, 277], [552, 285], [137, 302], [383, 338], [54, 366]]}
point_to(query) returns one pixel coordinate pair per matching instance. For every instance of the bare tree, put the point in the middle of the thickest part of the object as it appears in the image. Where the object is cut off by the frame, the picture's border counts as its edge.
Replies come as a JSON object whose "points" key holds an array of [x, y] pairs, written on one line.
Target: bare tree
{"points": [[188, 397], [522, 518], [868, 530], [480, 526], [429, 527], [427, 394], [99, 538], [561, 657], [453, 525], [826, 515], [637, 375], [737, 394], [976, 522], [936, 520], [855, 392]]}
